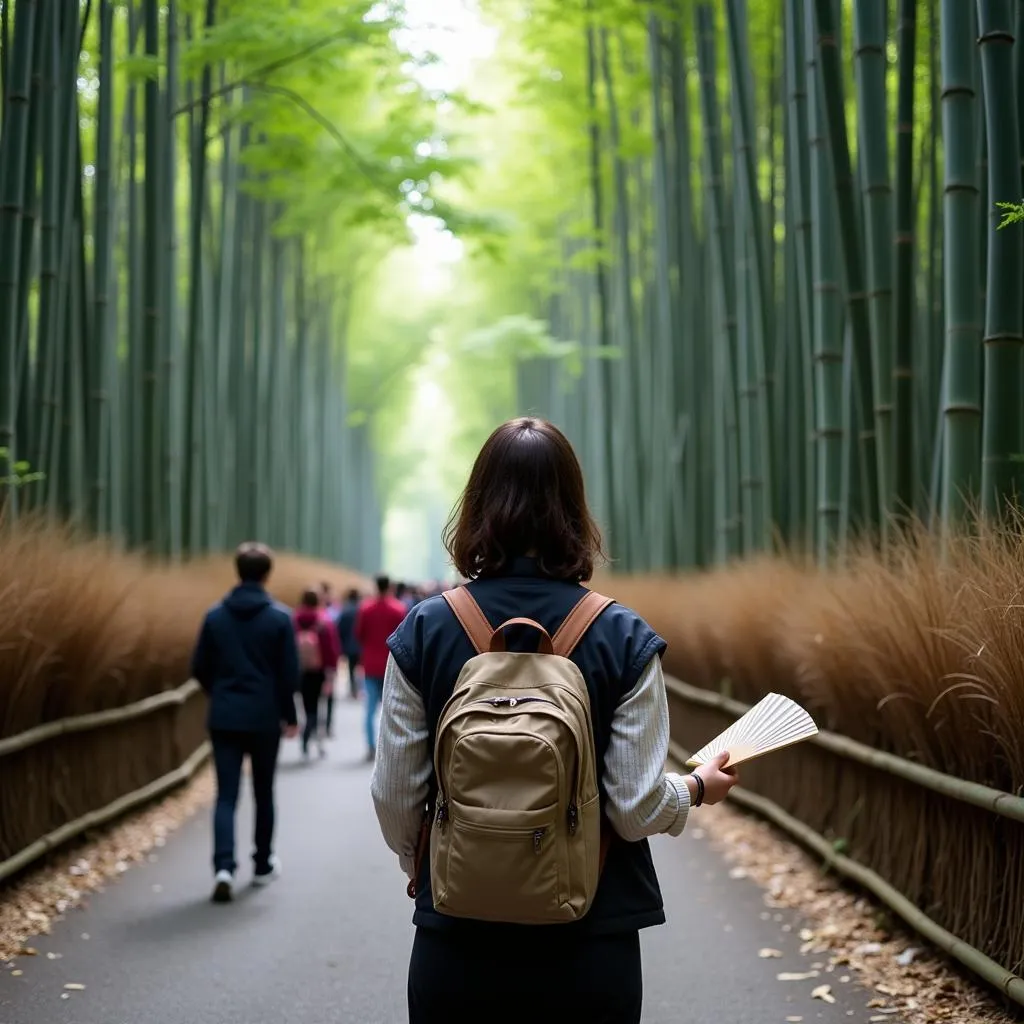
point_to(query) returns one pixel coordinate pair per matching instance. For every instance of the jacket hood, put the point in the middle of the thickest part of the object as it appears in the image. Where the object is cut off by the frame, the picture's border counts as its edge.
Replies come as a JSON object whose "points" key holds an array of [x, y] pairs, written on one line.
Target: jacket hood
{"points": [[247, 600]]}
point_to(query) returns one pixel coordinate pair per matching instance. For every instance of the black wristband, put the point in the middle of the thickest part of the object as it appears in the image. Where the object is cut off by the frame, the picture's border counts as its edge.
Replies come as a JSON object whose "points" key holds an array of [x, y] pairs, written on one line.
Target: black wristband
{"points": [[700, 789]]}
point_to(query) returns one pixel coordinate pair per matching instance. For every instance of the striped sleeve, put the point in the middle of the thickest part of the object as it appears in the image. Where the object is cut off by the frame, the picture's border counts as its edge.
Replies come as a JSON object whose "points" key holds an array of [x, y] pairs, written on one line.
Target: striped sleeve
{"points": [[643, 799], [401, 771]]}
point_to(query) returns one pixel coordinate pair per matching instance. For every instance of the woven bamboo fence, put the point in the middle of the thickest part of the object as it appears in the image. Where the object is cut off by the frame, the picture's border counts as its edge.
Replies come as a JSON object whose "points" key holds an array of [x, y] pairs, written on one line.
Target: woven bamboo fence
{"points": [[946, 855], [65, 777]]}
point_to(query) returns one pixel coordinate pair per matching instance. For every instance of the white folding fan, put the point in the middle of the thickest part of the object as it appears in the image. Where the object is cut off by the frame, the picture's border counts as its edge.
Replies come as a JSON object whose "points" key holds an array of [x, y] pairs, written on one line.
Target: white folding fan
{"points": [[773, 722]]}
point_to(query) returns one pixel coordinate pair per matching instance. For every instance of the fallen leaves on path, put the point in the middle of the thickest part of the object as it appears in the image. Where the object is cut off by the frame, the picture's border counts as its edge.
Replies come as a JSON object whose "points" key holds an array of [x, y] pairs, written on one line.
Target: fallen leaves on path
{"points": [[824, 993], [31, 905], [911, 983]]}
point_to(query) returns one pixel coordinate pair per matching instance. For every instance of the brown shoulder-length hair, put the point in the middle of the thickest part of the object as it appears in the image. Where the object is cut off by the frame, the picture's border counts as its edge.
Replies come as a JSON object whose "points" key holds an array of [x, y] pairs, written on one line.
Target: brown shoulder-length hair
{"points": [[525, 496]]}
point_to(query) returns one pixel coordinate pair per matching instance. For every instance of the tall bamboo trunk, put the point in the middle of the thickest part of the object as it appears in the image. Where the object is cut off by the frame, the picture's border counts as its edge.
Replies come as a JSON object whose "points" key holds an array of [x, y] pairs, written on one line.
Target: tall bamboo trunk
{"points": [[152, 256], [830, 72], [1003, 416], [829, 418], [720, 228], [873, 153], [753, 256], [13, 179], [902, 369]]}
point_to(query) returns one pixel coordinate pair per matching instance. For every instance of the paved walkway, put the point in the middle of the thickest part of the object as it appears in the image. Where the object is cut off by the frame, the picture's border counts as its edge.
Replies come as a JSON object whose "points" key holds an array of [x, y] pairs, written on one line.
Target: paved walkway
{"points": [[328, 943]]}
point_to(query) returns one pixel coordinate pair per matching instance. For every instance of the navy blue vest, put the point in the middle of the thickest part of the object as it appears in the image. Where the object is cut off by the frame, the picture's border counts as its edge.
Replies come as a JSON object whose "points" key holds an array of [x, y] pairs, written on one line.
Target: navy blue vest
{"points": [[430, 647]]}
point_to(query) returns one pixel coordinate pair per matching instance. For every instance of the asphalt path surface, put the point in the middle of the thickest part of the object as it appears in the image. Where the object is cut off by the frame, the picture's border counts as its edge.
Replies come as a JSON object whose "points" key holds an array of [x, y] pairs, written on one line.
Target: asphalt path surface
{"points": [[328, 942]]}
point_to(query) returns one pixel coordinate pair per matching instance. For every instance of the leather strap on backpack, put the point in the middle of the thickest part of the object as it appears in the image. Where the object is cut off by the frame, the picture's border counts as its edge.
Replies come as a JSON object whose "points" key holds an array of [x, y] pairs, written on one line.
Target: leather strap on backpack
{"points": [[565, 640], [470, 617], [578, 621]]}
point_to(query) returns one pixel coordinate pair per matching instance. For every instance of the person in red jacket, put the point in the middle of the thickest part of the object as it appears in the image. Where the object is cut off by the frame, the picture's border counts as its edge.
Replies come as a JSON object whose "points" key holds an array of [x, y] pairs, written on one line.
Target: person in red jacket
{"points": [[319, 651], [378, 618]]}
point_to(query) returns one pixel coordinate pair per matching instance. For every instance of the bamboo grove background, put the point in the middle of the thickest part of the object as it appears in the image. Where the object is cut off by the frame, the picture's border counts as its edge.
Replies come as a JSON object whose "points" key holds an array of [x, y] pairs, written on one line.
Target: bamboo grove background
{"points": [[183, 232], [782, 256]]}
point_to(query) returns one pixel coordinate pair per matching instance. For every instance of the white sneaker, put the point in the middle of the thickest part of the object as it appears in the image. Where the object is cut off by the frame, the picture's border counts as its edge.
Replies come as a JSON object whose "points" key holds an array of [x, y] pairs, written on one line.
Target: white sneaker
{"points": [[222, 887], [269, 876]]}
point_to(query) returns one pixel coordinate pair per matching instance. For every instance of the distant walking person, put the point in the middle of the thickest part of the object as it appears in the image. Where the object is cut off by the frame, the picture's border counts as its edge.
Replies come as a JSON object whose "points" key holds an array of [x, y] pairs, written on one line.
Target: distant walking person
{"points": [[350, 648], [318, 659], [378, 618], [246, 661], [329, 611]]}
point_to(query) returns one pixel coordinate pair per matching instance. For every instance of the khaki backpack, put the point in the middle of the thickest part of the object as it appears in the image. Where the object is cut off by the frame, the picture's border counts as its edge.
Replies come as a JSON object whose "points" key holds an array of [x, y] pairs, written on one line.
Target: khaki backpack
{"points": [[516, 834]]}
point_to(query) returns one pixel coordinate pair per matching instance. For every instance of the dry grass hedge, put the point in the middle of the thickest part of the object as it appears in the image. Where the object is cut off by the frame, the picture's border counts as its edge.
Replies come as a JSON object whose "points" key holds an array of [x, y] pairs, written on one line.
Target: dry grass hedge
{"points": [[916, 654], [85, 628]]}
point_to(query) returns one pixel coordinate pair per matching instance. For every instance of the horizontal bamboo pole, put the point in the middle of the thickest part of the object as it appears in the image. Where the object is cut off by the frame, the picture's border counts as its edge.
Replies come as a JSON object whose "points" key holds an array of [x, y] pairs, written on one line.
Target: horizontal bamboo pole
{"points": [[974, 959], [113, 810], [1005, 804], [98, 719]]}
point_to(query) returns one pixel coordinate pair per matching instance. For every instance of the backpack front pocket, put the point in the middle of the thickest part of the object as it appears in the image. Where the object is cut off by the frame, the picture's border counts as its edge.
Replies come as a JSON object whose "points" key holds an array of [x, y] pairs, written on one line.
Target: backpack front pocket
{"points": [[499, 865]]}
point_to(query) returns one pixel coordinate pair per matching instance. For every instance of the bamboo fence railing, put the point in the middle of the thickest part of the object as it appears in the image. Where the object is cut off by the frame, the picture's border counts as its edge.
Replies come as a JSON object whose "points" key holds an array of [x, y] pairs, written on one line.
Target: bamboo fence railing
{"points": [[62, 778], [793, 787]]}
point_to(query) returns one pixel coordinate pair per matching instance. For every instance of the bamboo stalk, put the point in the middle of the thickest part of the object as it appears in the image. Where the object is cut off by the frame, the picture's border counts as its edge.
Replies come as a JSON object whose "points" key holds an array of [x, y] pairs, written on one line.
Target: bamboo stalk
{"points": [[903, 496], [1003, 414], [865, 353], [962, 380], [13, 144]]}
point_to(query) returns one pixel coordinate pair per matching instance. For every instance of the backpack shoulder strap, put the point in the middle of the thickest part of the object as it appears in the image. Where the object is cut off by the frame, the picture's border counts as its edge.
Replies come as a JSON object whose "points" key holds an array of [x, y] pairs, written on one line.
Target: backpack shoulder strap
{"points": [[470, 617], [578, 621]]}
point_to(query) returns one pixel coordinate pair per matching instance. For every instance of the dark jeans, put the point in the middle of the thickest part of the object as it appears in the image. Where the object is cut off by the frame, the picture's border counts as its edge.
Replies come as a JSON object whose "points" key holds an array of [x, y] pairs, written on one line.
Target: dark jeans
{"points": [[229, 751], [312, 686], [353, 676], [560, 979], [329, 719]]}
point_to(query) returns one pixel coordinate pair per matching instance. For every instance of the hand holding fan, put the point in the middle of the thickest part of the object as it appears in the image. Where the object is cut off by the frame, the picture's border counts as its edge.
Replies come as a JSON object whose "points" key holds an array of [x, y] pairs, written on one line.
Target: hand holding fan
{"points": [[772, 723]]}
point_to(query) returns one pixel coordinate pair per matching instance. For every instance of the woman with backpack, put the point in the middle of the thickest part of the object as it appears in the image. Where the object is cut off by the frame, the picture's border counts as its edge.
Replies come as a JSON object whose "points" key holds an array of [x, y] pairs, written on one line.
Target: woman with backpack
{"points": [[319, 651], [522, 755]]}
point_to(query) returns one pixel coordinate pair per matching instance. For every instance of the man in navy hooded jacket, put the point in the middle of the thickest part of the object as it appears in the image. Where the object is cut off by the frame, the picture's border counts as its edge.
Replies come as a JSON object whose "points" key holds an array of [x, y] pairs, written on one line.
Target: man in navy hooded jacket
{"points": [[247, 661]]}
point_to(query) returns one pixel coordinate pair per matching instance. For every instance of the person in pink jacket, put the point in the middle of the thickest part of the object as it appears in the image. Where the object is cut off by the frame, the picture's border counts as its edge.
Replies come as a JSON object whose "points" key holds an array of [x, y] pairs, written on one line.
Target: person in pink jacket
{"points": [[319, 651]]}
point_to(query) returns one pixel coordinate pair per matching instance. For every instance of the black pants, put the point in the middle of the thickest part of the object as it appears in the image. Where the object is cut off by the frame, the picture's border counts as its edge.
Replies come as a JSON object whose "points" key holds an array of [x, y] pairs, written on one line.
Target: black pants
{"points": [[353, 676], [554, 979], [329, 705], [229, 751], [312, 685]]}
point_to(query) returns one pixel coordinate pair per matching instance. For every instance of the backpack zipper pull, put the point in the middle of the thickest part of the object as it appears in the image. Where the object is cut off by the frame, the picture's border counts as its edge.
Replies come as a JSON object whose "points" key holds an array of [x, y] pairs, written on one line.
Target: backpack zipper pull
{"points": [[537, 837], [442, 814], [573, 819]]}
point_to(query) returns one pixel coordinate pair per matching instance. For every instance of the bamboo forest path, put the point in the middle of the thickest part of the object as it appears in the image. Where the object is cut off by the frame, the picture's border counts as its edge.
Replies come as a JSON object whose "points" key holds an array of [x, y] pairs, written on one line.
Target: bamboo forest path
{"points": [[328, 943]]}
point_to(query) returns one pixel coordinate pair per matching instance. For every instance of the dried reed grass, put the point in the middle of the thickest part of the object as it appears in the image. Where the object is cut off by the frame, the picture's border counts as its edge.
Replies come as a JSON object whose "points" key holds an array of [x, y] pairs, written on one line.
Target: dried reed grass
{"points": [[915, 653], [84, 627]]}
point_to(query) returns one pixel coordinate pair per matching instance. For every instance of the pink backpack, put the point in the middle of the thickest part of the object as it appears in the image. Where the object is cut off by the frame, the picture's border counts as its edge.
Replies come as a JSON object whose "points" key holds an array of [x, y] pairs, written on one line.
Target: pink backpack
{"points": [[310, 656]]}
